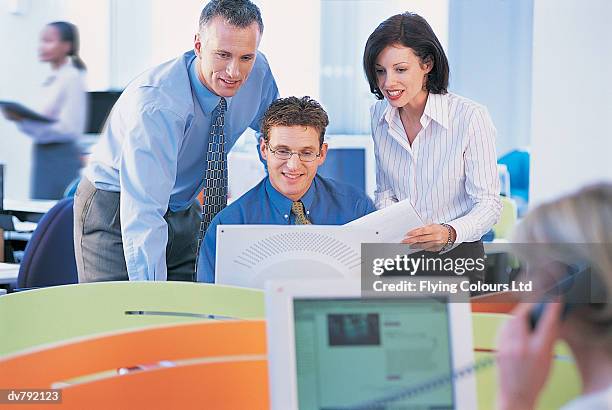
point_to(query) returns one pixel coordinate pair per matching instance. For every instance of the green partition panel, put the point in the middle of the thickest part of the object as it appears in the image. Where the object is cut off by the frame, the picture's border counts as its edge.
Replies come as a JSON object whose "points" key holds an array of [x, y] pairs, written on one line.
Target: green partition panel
{"points": [[53, 314], [563, 383]]}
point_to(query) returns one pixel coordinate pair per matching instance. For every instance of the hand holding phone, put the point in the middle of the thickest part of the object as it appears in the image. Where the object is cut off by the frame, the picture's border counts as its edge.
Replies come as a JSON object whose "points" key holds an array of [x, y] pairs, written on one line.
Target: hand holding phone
{"points": [[535, 314], [575, 287], [524, 357]]}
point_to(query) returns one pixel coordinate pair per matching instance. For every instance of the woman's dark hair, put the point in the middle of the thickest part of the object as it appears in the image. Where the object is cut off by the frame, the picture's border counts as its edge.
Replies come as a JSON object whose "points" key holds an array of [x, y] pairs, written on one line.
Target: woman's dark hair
{"points": [[413, 31], [69, 33]]}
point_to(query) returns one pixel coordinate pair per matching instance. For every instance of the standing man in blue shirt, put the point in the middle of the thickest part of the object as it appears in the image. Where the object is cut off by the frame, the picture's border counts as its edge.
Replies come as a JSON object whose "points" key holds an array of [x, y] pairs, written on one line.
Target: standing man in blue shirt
{"points": [[166, 140], [292, 193]]}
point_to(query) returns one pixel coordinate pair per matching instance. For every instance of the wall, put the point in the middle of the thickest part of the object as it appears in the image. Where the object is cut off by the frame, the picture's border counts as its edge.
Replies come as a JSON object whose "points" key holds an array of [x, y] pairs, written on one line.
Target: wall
{"points": [[571, 139], [131, 47], [345, 28], [93, 18], [490, 62], [292, 45], [172, 29]]}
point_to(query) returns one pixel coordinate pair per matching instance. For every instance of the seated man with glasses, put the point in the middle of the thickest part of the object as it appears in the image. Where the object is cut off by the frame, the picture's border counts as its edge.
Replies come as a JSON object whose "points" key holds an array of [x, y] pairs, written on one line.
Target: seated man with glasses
{"points": [[293, 132]]}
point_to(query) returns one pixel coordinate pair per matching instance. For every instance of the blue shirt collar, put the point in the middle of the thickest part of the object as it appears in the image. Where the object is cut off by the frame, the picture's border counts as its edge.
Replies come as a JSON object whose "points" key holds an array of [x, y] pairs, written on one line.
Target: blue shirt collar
{"points": [[283, 204], [207, 99]]}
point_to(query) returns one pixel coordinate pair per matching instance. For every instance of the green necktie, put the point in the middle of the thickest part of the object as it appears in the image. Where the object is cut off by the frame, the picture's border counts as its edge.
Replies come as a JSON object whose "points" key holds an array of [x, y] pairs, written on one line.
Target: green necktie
{"points": [[297, 208]]}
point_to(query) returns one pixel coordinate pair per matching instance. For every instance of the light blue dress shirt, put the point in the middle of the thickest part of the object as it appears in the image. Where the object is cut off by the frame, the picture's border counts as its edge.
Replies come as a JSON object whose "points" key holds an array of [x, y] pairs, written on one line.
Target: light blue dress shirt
{"points": [[326, 202], [153, 150]]}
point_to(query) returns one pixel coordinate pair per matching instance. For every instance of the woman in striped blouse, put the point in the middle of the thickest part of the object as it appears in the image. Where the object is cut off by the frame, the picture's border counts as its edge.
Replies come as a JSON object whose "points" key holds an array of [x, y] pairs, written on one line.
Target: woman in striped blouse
{"points": [[433, 148]]}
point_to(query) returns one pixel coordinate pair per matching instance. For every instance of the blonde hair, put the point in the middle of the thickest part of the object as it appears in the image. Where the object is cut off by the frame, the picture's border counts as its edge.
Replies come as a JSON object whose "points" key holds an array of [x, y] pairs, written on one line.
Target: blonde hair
{"points": [[577, 227]]}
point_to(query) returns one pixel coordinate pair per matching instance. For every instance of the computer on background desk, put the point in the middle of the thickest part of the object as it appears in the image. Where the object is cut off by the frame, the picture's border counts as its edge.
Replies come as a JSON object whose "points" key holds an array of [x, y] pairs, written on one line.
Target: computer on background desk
{"points": [[1, 187]]}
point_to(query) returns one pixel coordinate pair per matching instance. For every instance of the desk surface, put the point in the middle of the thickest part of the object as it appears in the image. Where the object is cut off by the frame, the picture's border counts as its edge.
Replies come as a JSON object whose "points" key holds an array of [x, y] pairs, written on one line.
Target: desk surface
{"points": [[31, 205], [8, 273]]}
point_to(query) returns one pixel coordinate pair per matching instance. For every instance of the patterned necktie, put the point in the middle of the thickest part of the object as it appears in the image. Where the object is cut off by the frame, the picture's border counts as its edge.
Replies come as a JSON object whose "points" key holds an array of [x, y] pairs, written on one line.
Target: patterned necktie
{"points": [[297, 208], [215, 179]]}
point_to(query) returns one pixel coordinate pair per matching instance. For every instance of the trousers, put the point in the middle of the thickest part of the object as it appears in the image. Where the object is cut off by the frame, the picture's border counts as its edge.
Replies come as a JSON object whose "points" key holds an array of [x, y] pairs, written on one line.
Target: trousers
{"points": [[98, 244]]}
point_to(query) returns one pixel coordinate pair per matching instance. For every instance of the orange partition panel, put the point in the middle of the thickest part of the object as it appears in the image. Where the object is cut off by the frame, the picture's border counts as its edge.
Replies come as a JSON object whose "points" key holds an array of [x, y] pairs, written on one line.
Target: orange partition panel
{"points": [[500, 302], [220, 386], [225, 385], [43, 366]]}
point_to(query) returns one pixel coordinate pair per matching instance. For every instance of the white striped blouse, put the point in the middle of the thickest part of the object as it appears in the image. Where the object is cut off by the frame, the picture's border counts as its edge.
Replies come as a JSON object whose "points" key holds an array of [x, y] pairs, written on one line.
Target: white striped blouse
{"points": [[449, 174]]}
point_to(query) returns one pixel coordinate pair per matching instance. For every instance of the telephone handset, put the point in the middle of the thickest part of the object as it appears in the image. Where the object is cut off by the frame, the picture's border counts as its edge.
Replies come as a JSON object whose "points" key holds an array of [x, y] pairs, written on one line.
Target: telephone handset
{"points": [[578, 287]]}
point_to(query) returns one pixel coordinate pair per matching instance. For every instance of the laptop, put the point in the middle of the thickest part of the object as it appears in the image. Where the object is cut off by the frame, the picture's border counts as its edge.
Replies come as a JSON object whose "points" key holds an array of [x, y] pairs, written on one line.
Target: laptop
{"points": [[330, 348]]}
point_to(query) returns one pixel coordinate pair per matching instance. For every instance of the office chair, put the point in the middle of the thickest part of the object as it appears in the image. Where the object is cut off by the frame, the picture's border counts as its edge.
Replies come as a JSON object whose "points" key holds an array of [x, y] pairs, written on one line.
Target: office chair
{"points": [[72, 187], [507, 219], [49, 259], [517, 162]]}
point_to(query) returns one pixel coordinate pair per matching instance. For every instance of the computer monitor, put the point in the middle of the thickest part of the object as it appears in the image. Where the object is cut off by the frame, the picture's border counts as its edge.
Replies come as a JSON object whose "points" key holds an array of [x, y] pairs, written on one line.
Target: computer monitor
{"points": [[249, 255], [100, 105], [350, 159], [329, 347], [1, 186]]}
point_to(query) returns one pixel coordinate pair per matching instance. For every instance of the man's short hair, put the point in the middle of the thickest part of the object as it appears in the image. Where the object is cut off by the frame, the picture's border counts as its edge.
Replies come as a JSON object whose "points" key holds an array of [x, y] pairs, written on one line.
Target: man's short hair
{"points": [[292, 111], [238, 13]]}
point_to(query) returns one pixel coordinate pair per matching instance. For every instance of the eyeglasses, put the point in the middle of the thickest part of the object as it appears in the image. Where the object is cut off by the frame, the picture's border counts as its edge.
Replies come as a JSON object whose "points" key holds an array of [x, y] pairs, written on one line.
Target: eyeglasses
{"points": [[285, 154]]}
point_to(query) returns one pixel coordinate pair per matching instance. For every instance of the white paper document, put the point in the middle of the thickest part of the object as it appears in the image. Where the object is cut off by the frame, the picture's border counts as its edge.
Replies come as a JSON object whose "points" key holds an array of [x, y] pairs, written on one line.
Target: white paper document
{"points": [[392, 222]]}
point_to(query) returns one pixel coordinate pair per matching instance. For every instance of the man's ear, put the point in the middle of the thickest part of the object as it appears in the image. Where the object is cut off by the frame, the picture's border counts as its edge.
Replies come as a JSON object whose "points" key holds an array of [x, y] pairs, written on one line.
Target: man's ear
{"points": [[197, 45], [262, 148], [323, 153]]}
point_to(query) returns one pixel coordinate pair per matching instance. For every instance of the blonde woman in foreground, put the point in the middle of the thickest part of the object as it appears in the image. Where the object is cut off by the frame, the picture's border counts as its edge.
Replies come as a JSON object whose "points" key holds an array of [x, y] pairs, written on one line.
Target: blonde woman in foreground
{"points": [[579, 227]]}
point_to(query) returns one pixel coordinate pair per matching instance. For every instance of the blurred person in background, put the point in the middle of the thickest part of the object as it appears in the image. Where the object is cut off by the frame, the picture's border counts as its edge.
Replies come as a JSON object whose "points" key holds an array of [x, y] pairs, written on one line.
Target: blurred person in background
{"points": [[63, 99]]}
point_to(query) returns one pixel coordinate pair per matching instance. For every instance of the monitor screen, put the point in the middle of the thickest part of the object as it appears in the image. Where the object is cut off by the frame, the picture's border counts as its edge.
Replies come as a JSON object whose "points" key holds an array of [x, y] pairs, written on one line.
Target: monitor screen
{"points": [[1, 187], [100, 105], [350, 351], [347, 165]]}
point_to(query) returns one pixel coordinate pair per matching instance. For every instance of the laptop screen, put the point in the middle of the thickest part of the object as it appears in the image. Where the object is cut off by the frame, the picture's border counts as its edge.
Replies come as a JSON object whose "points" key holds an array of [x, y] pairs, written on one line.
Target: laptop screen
{"points": [[350, 351]]}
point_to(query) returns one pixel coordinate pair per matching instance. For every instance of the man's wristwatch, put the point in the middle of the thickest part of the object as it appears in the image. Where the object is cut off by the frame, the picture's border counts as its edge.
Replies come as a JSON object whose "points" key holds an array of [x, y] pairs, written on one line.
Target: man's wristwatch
{"points": [[449, 240]]}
